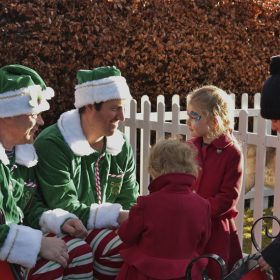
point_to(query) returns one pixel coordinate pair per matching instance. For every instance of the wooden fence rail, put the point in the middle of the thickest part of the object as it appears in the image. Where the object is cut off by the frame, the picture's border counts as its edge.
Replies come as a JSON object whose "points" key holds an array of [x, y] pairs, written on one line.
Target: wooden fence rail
{"points": [[143, 127]]}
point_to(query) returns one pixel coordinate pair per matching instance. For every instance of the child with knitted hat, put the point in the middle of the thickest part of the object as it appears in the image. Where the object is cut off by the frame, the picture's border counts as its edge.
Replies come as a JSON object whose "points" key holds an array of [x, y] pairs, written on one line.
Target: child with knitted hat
{"points": [[86, 165], [270, 109], [169, 227], [23, 96]]}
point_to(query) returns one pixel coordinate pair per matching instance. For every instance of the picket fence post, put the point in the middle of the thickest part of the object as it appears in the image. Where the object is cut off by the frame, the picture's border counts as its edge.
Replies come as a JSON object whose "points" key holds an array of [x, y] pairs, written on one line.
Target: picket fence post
{"points": [[145, 127]]}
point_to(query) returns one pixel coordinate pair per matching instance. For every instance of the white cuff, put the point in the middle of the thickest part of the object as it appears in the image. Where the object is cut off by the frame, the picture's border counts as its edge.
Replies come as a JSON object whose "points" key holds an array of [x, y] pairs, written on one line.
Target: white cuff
{"points": [[104, 215], [22, 245], [52, 220]]}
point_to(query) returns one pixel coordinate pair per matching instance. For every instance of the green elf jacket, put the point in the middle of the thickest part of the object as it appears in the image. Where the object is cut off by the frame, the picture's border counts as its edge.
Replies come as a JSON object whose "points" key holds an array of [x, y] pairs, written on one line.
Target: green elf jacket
{"points": [[22, 212], [68, 172]]}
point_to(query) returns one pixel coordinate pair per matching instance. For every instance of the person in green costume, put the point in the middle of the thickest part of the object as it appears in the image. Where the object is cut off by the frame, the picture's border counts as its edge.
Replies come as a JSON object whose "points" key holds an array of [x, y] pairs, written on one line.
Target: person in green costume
{"points": [[24, 219], [87, 167]]}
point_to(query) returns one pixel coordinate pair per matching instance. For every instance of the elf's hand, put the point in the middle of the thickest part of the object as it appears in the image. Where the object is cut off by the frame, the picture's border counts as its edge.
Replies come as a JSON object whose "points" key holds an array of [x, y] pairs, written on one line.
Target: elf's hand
{"points": [[54, 249]]}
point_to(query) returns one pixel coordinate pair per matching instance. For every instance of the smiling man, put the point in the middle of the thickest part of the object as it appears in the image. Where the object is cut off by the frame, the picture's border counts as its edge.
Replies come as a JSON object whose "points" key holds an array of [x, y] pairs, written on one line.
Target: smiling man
{"points": [[86, 165], [23, 96]]}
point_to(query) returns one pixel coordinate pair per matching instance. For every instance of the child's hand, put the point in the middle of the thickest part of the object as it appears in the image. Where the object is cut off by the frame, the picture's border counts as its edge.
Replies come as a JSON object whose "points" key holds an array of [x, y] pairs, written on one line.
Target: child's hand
{"points": [[123, 216], [263, 264], [75, 228]]}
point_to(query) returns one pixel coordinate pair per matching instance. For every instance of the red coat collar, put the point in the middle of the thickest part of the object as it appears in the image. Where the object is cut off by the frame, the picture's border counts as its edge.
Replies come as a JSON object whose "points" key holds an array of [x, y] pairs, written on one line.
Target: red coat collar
{"points": [[219, 143], [174, 180]]}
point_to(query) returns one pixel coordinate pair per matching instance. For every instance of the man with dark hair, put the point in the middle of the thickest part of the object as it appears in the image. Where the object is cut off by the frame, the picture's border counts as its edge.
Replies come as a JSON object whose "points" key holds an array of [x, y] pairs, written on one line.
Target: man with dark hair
{"points": [[86, 166]]}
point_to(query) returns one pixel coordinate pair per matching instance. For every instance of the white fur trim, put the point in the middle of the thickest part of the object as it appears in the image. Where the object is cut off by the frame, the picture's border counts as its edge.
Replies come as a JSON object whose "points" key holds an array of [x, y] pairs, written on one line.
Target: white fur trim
{"points": [[115, 143], [22, 245], [102, 90], [15, 103], [52, 220], [26, 155], [3, 156], [69, 124], [92, 216], [5, 249], [107, 215]]}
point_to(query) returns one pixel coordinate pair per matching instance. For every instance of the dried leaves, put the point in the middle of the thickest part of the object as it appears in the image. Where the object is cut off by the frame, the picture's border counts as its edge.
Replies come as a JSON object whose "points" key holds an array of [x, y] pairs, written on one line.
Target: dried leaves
{"points": [[161, 46]]}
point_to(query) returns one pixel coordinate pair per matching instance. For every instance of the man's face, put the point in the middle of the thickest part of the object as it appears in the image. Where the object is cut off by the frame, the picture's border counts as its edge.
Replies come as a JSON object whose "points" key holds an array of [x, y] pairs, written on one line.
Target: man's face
{"points": [[24, 127], [275, 125], [105, 121]]}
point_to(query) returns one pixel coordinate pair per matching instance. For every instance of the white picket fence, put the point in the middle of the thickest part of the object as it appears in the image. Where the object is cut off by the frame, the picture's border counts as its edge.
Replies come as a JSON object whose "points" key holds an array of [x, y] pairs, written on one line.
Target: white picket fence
{"points": [[144, 126]]}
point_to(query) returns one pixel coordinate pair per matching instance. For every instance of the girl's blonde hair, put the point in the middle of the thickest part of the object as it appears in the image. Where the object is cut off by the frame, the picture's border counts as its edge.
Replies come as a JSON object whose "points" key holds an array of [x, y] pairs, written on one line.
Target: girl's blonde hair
{"points": [[214, 103], [172, 156]]}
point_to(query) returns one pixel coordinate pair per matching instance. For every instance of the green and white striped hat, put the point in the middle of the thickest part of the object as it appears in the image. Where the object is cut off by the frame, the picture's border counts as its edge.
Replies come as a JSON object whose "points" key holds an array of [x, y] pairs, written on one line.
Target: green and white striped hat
{"points": [[22, 91], [100, 85]]}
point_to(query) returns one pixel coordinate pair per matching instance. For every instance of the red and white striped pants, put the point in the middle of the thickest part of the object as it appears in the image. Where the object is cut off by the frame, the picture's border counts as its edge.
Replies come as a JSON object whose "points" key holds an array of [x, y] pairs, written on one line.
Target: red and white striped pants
{"points": [[79, 264], [106, 245], [97, 258]]}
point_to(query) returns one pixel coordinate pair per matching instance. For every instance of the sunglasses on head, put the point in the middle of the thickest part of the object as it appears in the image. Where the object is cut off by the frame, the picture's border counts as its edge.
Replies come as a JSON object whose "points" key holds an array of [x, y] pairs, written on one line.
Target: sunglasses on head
{"points": [[194, 115]]}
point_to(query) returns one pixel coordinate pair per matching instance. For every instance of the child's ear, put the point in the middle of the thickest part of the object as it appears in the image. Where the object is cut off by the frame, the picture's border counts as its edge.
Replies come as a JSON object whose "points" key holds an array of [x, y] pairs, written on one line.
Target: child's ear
{"points": [[215, 121], [154, 174]]}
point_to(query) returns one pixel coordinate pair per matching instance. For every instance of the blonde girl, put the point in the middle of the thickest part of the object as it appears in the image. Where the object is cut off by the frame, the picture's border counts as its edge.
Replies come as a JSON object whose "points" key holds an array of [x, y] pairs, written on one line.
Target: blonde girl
{"points": [[210, 121]]}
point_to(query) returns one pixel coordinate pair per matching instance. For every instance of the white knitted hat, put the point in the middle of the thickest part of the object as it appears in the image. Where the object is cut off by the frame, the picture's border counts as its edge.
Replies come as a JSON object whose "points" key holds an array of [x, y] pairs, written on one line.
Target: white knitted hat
{"points": [[22, 91]]}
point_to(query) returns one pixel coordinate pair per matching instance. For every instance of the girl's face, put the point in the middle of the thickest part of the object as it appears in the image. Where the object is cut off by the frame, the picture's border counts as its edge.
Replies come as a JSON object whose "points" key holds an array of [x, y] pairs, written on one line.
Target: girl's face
{"points": [[197, 122]]}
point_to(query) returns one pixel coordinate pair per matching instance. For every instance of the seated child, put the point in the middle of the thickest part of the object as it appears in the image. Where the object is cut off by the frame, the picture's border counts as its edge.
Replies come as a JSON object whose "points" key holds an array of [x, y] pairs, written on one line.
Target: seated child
{"points": [[169, 227]]}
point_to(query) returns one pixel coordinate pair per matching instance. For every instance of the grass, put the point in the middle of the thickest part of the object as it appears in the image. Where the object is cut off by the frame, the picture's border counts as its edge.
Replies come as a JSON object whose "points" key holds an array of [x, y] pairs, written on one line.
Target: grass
{"points": [[248, 222]]}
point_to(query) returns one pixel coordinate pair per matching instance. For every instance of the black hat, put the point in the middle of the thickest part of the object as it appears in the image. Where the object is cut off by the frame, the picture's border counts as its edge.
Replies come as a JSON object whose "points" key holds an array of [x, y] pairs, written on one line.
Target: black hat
{"points": [[270, 97]]}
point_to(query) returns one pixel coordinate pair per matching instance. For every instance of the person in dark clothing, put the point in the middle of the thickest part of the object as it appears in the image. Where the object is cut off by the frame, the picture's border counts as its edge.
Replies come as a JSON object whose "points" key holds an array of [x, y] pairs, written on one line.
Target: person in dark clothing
{"points": [[270, 109]]}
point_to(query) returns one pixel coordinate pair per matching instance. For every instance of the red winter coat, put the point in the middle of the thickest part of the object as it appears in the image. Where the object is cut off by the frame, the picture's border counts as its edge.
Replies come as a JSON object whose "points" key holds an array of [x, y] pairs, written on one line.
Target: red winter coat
{"points": [[165, 230], [220, 182]]}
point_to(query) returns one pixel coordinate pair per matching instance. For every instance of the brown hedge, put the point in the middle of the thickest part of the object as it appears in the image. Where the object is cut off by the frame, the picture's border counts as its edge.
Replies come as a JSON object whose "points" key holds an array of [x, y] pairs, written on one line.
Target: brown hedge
{"points": [[162, 47]]}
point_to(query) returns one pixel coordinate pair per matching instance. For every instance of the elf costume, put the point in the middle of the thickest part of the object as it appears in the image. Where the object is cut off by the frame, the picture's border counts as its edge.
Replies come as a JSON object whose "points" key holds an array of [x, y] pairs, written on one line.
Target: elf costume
{"points": [[93, 185], [23, 92]]}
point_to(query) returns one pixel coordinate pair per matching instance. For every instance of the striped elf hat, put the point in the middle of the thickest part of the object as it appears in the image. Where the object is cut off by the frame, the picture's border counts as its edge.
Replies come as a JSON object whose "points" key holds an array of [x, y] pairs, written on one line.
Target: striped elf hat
{"points": [[100, 85], [22, 91]]}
